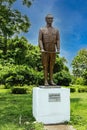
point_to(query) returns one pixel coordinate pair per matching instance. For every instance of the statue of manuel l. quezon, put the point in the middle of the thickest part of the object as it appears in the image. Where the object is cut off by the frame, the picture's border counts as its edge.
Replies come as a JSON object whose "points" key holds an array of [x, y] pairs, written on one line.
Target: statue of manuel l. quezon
{"points": [[49, 43]]}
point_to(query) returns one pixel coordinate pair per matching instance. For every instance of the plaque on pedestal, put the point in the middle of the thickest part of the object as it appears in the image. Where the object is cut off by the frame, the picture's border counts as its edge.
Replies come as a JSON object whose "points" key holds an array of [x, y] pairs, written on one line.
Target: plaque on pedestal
{"points": [[51, 105]]}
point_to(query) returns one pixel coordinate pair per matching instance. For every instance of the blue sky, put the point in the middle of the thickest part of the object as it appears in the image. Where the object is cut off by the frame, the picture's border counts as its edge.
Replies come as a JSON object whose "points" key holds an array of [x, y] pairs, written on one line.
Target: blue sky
{"points": [[70, 17]]}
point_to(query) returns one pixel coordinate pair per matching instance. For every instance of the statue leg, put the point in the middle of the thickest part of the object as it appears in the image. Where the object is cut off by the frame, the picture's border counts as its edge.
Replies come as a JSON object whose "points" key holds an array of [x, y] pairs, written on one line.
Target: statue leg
{"points": [[52, 62], [45, 67]]}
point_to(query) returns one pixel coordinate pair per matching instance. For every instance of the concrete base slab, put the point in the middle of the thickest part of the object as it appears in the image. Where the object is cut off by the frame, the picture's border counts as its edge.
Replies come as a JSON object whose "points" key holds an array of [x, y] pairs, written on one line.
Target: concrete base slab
{"points": [[58, 127], [51, 105]]}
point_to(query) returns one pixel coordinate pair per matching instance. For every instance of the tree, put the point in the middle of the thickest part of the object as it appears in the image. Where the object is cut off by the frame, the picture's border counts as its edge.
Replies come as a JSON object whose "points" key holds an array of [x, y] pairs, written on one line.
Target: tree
{"points": [[22, 64], [85, 77], [79, 63], [60, 64], [33, 57], [11, 20], [17, 50]]}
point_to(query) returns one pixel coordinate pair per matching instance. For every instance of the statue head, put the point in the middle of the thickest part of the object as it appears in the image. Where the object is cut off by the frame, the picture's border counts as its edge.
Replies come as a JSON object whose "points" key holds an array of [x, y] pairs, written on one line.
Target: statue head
{"points": [[49, 18]]}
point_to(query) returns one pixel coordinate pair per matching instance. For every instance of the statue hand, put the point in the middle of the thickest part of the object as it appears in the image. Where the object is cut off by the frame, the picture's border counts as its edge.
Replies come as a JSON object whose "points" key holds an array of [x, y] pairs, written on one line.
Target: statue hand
{"points": [[58, 51], [42, 50]]}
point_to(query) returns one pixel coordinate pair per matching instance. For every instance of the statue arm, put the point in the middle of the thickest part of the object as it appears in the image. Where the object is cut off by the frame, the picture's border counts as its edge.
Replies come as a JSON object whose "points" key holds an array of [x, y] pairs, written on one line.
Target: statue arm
{"points": [[40, 40], [58, 42]]}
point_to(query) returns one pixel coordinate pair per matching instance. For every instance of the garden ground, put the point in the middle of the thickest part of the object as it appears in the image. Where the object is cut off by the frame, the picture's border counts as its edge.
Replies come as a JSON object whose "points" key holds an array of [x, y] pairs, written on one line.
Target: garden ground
{"points": [[16, 111]]}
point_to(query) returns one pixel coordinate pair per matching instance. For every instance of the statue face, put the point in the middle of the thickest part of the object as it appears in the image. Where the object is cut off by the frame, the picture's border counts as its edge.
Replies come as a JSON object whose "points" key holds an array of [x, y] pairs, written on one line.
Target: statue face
{"points": [[49, 20]]}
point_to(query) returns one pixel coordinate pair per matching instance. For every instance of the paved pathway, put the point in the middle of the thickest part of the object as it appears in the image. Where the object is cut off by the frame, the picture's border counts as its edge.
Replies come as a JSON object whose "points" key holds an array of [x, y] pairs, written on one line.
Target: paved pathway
{"points": [[58, 127]]}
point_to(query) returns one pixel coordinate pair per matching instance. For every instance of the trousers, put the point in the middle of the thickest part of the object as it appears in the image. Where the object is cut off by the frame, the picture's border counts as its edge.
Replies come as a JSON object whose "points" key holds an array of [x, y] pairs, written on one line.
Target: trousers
{"points": [[48, 61]]}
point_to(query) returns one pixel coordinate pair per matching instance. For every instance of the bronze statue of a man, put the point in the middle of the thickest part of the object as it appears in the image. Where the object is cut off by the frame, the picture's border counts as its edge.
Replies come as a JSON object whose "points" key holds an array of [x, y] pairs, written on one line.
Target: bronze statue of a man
{"points": [[49, 43]]}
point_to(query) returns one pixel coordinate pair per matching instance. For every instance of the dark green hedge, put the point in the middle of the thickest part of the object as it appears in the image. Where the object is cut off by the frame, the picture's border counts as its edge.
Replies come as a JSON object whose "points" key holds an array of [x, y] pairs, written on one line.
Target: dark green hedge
{"points": [[19, 90], [81, 90]]}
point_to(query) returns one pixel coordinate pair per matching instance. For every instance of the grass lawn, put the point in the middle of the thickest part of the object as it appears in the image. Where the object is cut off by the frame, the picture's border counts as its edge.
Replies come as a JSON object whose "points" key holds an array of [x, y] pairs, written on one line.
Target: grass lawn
{"points": [[16, 111], [79, 111]]}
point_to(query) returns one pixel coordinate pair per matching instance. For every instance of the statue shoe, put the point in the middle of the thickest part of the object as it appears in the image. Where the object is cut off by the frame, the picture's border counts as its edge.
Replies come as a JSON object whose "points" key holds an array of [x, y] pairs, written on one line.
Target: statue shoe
{"points": [[46, 83], [52, 83]]}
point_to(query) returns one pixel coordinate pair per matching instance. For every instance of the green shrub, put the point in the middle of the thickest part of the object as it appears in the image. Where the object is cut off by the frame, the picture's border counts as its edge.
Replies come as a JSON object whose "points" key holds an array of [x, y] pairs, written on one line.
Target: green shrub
{"points": [[29, 88], [79, 81], [11, 75], [2, 86], [78, 88], [40, 78], [85, 77], [81, 90], [62, 78], [72, 90], [19, 90]]}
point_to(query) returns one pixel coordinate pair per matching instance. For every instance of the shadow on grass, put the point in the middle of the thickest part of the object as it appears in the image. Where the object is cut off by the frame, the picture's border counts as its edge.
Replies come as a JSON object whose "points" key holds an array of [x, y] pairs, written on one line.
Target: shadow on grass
{"points": [[75, 100]]}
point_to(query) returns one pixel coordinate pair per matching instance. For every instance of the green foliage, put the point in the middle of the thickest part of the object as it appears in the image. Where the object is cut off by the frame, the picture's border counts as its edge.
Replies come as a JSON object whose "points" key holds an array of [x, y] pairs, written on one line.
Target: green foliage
{"points": [[33, 57], [2, 45], [60, 64], [10, 18], [61, 72], [40, 78], [19, 75], [17, 50], [12, 21], [78, 88], [85, 77], [82, 89], [79, 81], [27, 2], [72, 90], [25, 89], [19, 90], [2, 86], [22, 65], [62, 78], [79, 63]]}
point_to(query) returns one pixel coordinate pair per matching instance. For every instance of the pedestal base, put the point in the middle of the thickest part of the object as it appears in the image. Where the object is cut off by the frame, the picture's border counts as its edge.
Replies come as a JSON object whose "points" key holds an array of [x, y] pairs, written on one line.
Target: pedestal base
{"points": [[51, 105]]}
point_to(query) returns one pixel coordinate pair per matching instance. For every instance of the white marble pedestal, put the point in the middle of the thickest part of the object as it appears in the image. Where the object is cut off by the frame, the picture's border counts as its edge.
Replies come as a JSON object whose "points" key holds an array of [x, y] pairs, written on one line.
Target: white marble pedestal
{"points": [[51, 105]]}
